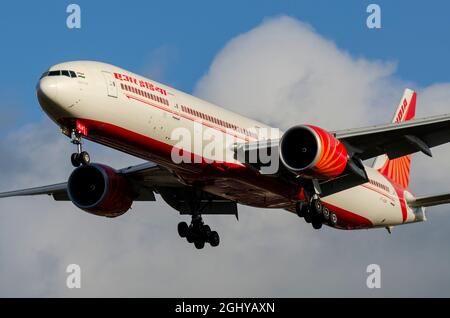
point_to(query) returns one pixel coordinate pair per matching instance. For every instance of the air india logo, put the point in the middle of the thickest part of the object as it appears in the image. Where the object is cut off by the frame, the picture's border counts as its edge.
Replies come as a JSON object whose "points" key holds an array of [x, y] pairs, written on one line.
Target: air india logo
{"points": [[402, 111]]}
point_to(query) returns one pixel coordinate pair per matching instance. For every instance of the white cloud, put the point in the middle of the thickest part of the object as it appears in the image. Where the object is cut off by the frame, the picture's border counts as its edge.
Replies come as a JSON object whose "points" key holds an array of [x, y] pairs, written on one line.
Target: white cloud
{"points": [[281, 72], [284, 73], [159, 61]]}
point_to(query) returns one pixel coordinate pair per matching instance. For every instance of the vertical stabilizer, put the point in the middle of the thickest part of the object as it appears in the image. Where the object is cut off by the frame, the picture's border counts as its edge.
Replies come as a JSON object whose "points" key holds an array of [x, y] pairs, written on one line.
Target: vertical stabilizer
{"points": [[398, 170]]}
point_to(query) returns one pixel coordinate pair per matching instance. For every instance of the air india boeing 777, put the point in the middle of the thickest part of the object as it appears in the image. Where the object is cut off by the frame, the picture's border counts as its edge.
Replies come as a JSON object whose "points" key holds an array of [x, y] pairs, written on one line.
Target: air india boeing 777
{"points": [[203, 159]]}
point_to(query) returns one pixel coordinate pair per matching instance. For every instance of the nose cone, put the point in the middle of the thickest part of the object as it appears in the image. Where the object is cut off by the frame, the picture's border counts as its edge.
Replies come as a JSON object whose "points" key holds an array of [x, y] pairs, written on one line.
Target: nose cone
{"points": [[47, 94], [47, 88]]}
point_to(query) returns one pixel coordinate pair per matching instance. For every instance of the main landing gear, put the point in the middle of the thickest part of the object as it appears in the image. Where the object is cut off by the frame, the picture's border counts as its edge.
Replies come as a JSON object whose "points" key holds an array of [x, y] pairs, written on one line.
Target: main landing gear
{"points": [[316, 213], [198, 233], [80, 157]]}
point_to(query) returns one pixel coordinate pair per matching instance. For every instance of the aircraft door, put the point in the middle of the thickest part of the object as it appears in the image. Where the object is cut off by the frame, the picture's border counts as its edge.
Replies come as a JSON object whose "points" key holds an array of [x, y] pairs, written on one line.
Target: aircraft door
{"points": [[176, 114], [110, 84]]}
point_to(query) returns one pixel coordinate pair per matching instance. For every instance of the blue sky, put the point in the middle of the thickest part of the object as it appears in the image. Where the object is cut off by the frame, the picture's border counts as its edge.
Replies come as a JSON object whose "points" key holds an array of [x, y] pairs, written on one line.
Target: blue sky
{"points": [[181, 38]]}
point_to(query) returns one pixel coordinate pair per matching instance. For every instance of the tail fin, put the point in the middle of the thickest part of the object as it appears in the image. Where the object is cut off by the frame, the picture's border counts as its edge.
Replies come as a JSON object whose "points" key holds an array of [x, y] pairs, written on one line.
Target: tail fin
{"points": [[398, 170]]}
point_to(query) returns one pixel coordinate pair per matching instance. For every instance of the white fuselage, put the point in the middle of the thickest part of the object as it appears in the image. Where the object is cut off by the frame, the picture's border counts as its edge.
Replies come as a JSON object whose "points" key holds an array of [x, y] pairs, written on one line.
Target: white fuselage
{"points": [[139, 116]]}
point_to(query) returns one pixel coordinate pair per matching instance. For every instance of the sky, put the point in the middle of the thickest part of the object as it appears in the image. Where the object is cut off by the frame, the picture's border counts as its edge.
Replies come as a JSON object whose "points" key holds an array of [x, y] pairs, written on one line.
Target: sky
{"points": [[282, 62]]}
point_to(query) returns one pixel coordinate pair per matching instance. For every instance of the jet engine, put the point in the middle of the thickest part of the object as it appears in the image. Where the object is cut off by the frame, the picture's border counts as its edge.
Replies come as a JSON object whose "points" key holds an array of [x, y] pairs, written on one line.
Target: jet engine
{"points": [[312, 152], [100, 190]]}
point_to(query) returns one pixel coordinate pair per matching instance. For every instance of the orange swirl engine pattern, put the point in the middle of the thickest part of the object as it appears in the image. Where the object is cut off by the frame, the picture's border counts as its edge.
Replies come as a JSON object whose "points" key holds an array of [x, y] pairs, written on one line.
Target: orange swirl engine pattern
{"points": [[332, 156], [312, 152]]}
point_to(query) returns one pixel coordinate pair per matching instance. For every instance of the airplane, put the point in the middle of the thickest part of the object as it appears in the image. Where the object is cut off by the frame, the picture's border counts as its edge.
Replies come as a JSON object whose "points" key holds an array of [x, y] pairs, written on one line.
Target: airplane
{"points": [[319, 175]]}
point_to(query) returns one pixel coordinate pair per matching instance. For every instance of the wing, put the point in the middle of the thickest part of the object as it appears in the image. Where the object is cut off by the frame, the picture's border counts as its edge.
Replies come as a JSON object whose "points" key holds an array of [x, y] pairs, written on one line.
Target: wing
{"points": [[433, 200], [397, 139], [145, 178], [57, 190]]}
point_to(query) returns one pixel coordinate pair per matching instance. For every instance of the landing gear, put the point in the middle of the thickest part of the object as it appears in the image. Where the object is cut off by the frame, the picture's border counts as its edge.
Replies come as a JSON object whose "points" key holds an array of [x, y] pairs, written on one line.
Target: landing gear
{"points": [[198, 233], [316, 213], [80, 157]]}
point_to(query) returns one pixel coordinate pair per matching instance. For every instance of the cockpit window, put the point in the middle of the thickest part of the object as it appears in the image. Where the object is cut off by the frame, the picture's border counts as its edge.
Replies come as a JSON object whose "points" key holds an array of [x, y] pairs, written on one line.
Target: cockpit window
{"points": [[67, 73], [54, 73]]}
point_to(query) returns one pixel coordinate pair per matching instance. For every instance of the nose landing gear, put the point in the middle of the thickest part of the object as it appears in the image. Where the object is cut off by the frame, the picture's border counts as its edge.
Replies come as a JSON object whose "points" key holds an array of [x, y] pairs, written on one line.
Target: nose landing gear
{"points": [[80, 157], [198, 233]]}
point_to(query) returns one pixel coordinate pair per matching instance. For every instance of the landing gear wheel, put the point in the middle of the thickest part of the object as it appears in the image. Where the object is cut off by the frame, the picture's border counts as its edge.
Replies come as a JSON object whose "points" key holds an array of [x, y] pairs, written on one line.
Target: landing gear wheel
{"points": [[301, 208], [317, 206], [308, 217], [206, 230], [214, 239], [317, 225], [85, 159], [326, 213], [333, 219], [199, 244], [183, 229], [75, 159], [190, 236]]}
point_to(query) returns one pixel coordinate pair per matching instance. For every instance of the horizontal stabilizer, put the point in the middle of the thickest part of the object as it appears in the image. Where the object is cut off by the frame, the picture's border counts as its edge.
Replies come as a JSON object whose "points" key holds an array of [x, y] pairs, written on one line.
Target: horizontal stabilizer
{"points": [[430, 200]]}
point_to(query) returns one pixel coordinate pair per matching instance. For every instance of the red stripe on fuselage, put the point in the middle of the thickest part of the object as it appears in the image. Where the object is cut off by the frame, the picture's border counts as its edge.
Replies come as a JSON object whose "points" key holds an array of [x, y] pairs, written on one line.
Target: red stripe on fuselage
{"points": [[378, 191], [348, 220], [401, 197]]}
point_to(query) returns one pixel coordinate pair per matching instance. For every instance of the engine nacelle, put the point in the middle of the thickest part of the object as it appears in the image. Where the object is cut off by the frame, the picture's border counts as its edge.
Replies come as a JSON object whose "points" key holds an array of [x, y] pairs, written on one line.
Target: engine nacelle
{"points": [[312, 152], [100, 190]]}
